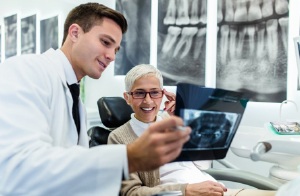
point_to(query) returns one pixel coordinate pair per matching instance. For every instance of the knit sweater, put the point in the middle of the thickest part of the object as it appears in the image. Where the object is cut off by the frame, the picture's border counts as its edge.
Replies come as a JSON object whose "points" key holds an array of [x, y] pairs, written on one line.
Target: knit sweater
{"points": [[140, 183]]}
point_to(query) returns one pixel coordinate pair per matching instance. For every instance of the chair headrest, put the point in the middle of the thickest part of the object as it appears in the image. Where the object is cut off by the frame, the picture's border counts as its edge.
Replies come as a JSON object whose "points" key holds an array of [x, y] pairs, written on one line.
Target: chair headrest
{"points": [[114, 111]]}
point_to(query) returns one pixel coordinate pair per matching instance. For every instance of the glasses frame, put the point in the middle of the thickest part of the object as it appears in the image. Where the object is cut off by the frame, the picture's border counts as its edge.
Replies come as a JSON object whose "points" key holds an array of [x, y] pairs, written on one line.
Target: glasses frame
{"points": [[132, 94]]}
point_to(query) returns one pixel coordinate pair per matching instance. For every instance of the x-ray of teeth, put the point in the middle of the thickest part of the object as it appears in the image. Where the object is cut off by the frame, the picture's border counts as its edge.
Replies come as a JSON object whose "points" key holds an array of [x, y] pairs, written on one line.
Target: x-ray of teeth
{"points": [[10, 24], [182, 41], [252, 48], [209, 129], [28, 35], [135, 45], [49, 33]]}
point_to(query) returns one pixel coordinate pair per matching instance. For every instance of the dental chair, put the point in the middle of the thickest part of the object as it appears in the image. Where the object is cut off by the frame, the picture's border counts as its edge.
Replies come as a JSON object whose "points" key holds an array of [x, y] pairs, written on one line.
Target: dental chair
{"points": [[114, 112]]}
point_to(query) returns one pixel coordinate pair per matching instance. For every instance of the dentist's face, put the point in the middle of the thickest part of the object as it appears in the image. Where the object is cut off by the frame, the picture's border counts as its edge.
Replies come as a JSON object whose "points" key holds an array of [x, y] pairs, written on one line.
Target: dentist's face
{"points": [[93, 51]]}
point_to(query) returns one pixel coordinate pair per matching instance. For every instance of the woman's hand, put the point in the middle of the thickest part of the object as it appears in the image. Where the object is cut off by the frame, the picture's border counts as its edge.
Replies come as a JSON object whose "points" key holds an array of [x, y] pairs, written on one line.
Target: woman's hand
{"points": [[170, 104], [206, 188]]}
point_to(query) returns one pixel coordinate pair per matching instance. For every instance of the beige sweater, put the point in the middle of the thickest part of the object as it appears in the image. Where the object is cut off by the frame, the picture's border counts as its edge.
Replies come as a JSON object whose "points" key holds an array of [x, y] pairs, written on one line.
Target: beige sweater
{"points": [[140, 183]]}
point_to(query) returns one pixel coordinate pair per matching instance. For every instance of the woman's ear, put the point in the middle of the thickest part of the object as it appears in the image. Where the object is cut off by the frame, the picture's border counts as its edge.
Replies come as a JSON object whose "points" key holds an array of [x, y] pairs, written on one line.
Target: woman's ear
{"points": [[126, 97]]}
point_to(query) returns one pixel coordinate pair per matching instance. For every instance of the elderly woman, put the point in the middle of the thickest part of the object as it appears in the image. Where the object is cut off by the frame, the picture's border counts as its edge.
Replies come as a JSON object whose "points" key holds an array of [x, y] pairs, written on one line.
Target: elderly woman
{"points": [[144, 93]]}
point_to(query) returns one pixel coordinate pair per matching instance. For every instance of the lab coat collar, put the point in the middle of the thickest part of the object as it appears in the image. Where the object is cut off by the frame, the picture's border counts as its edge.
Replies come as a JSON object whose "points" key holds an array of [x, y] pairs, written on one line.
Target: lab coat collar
{"points": [[63, 67]]}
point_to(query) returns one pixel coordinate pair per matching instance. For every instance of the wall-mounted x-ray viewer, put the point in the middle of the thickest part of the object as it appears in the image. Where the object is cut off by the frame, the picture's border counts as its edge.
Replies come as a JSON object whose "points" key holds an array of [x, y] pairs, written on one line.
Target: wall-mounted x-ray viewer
{"points": [[213, 115]]}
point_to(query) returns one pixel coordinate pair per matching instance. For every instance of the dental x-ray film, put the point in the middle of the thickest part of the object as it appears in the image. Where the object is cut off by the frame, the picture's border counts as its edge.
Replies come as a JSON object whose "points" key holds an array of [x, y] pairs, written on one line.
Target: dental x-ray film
{"points": [[213, 115]]}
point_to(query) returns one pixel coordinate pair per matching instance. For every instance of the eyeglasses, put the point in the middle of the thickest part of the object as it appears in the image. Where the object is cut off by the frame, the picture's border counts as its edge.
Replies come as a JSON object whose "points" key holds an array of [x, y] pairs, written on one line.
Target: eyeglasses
{"points": [[143, 94]]}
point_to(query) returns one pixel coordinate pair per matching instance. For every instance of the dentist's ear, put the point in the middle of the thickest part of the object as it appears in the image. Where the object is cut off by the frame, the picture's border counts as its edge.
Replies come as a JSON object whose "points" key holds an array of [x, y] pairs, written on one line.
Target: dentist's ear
{"points": [[75, 33], [74, 30]]}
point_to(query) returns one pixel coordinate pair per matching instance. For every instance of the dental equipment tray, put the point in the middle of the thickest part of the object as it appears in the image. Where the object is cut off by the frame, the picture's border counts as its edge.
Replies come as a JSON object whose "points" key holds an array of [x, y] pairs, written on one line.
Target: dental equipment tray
{"points": [[285, 128], [213, 115]]}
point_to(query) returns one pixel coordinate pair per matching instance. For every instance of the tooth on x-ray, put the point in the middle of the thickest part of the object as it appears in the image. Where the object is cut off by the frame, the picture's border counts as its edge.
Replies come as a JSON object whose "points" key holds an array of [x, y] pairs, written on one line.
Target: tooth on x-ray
{"points": [[240, 43], [185, 39], [182, 13], [220, 13], [272, 39], [203, 14], [229, 15], [281, 6], [194, 12], [171, 13], [199, 42], [254, 12], [283, 22], [172, 35], [267, 8], [241, 13], [232, 42], [251, 33], [224, 30], [261, 49]]}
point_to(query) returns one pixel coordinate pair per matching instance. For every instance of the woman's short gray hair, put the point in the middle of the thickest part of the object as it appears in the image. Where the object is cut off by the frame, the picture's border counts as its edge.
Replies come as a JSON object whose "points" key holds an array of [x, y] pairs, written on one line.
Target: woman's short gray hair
{"points": [[139, 71]]}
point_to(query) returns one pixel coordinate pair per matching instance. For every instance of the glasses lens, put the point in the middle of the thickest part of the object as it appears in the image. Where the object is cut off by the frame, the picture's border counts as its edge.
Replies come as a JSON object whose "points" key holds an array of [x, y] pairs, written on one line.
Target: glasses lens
{"points": [[139, 94], [143, 94], [155, 94]]}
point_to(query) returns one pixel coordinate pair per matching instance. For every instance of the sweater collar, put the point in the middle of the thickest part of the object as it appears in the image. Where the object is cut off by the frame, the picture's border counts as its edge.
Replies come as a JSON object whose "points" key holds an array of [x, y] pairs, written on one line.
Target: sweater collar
{"points": [[138, 126]]}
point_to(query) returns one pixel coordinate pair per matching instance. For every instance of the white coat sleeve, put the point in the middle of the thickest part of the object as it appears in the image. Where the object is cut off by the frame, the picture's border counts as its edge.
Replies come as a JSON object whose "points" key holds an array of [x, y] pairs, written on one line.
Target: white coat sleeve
{"points": [[35, 159]]}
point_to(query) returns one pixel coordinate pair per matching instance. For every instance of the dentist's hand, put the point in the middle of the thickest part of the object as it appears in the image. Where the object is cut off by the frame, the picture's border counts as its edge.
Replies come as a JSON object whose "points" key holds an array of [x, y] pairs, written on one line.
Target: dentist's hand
{"points": [[158, 145]]}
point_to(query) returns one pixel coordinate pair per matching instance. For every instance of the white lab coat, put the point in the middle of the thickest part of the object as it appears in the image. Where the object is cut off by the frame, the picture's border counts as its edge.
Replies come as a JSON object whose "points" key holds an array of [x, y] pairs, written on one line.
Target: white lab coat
{"points": [[39, 154]]}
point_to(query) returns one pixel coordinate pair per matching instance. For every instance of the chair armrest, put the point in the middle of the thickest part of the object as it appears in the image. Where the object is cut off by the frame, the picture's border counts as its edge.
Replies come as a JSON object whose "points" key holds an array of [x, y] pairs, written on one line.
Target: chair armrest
{"points": [[244, 177], [98, 135]]}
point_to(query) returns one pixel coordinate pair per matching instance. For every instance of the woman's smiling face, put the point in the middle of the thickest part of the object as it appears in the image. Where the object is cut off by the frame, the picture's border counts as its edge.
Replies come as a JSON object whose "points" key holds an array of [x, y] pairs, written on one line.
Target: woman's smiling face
{"points": [[145, 109]]}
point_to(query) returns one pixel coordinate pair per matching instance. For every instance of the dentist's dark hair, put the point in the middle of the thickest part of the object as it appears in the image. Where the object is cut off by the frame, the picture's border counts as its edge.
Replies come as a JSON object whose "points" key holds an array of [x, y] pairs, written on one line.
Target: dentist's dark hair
{"points": [[91, 14]]}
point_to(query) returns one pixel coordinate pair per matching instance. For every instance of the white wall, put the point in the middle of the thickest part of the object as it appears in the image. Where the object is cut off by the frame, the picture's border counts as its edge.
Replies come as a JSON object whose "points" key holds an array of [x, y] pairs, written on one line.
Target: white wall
{"points": [[109, 85]]}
